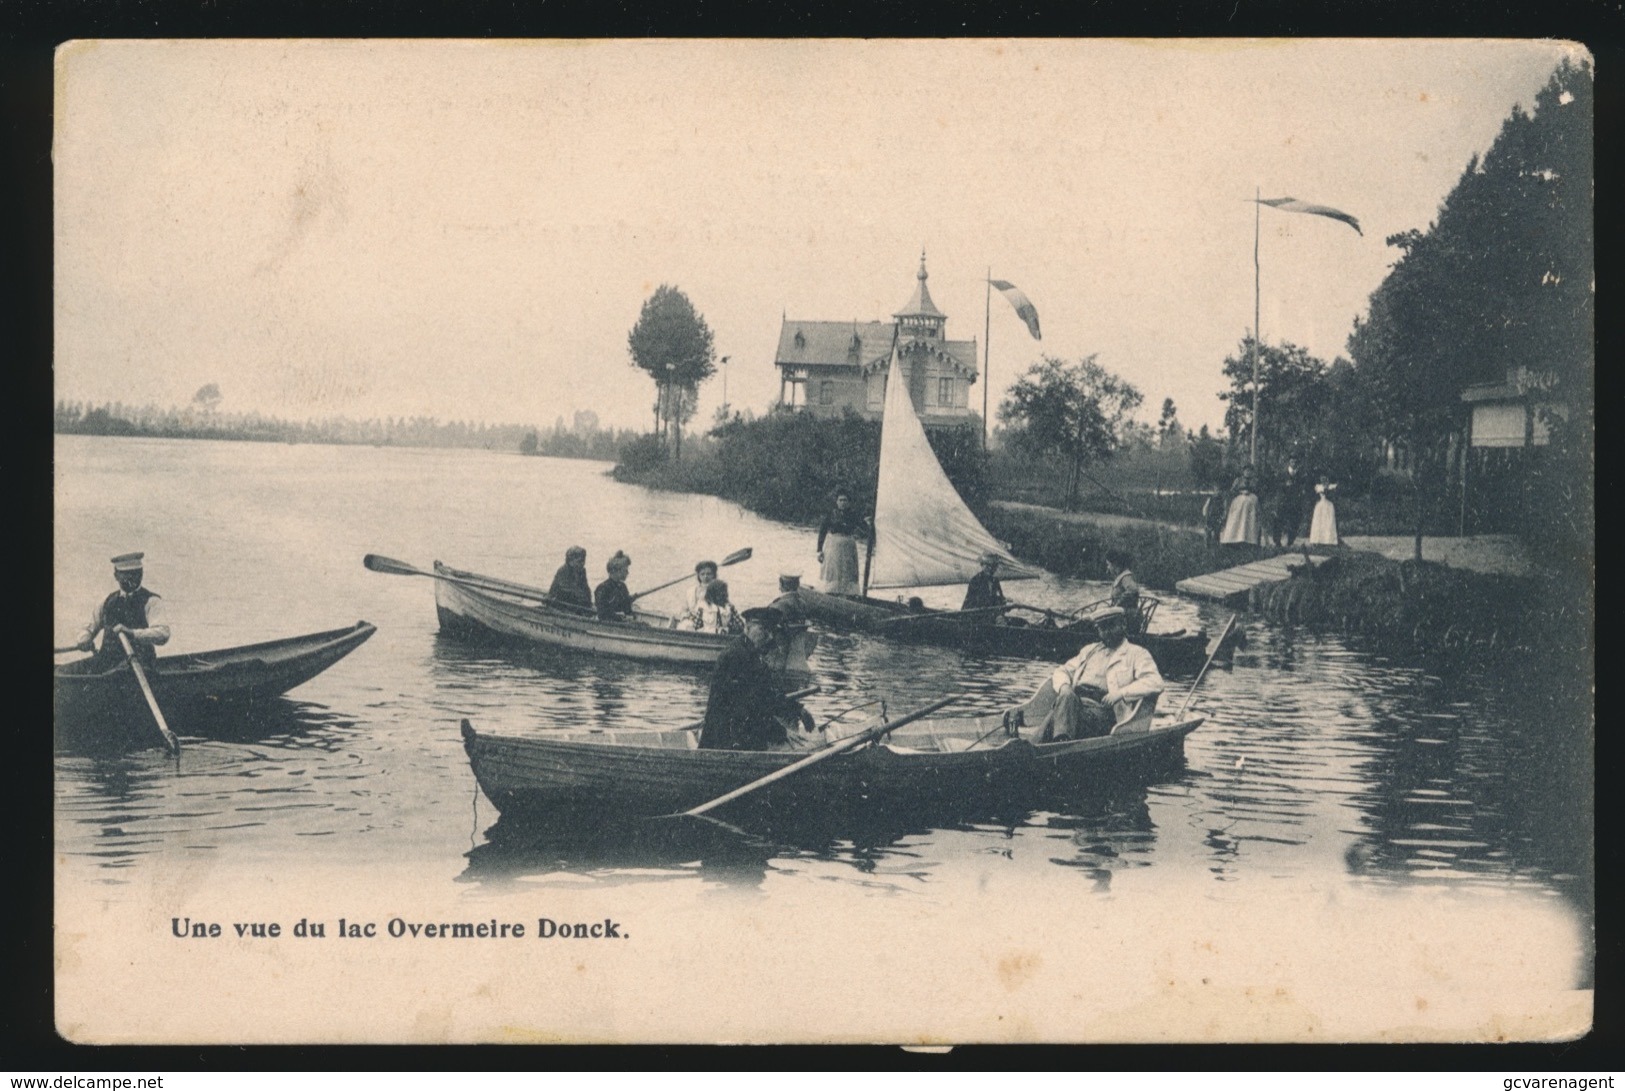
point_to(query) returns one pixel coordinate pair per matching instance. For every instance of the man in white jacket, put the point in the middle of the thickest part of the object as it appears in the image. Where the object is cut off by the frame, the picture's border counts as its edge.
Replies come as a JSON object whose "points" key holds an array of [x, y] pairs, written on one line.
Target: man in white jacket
{"points": [[1089, 693]]}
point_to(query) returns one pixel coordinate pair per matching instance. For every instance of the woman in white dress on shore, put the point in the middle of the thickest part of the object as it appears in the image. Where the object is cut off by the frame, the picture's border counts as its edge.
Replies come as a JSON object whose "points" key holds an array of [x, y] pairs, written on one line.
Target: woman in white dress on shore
{"points": [[1241, 525], [1323, 525]]}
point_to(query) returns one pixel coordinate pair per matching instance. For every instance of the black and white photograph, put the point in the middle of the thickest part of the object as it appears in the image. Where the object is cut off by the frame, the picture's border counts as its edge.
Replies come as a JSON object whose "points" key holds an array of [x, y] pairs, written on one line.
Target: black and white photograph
{"points": [[896, 541]]}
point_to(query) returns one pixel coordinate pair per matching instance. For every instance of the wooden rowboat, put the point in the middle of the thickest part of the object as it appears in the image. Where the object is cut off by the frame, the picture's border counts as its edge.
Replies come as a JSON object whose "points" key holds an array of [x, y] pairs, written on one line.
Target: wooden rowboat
{"points": [[576, 777], [1179, 652], [485, 608], [192, 690]]}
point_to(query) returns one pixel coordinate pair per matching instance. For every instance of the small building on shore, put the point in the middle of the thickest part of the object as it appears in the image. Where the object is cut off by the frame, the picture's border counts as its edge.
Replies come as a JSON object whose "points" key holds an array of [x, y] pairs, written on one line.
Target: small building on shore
{"points": [[826, 368]]}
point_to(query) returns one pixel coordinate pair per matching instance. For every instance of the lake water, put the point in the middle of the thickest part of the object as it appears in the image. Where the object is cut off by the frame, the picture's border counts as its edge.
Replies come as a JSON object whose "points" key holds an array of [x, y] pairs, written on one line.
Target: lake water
{"points": [[1337, 813]]}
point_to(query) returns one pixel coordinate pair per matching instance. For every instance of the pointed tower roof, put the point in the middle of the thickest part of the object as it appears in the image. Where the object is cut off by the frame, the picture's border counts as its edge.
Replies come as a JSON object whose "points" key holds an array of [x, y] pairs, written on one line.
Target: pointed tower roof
{"points": [[920, 305]]}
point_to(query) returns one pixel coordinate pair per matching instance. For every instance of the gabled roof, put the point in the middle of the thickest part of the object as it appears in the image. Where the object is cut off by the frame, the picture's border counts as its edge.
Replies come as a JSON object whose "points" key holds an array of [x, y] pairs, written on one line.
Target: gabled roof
{"points": [[831, 343]]}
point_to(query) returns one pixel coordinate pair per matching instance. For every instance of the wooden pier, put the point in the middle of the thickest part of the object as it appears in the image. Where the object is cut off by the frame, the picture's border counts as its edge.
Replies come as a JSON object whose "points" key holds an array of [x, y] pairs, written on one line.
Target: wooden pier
{"points": [[1234, 583]]}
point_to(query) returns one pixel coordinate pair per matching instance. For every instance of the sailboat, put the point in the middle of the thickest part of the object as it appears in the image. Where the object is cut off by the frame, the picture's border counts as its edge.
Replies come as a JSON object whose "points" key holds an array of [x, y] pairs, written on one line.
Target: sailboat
{"points": [[926, 536]]}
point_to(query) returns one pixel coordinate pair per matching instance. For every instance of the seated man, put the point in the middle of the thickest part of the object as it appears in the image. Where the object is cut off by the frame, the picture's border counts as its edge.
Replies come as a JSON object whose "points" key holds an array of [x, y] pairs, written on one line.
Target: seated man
{"points": [[1087, 695], [613, 600], [747, 708], [570, 581], [984, 591]]}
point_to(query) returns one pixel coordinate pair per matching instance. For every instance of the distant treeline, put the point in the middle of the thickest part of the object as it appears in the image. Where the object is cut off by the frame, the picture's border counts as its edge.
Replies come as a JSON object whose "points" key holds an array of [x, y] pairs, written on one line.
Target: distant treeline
{"points": [[117, 419]]}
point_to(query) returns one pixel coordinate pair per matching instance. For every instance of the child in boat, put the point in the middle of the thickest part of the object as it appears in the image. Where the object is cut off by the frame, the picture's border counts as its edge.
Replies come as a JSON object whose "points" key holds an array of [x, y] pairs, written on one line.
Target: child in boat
{"points": [[715, 614]]}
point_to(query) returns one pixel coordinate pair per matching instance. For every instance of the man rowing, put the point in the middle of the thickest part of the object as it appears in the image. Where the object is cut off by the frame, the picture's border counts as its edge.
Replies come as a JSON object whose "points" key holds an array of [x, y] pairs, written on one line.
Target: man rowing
{"points": [[132, 610], [1089, 693], [747, 708], [570, 581]]}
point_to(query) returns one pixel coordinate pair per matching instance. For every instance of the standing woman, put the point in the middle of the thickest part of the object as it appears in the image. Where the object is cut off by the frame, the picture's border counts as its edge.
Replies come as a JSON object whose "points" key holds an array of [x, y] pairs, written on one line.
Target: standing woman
{"points": [[838, 537], [1323, 526], [1241, 526]]}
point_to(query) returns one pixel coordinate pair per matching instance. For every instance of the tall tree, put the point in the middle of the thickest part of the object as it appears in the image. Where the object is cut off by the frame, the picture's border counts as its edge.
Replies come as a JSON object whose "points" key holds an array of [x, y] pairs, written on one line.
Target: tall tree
{"points": [[1500, 287], [674, 345], [1075, 412]]}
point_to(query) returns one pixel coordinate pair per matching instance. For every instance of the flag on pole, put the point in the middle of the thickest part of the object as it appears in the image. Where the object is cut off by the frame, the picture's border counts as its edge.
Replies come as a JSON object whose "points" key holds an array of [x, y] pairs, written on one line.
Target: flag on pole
{"points": [[1292, 204], [1024, 306]]}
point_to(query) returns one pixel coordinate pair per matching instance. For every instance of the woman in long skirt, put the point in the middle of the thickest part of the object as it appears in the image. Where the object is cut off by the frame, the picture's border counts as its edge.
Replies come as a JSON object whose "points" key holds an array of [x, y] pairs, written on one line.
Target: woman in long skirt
{"points": [[838, 538], [1323, 525], [1241, 527]]}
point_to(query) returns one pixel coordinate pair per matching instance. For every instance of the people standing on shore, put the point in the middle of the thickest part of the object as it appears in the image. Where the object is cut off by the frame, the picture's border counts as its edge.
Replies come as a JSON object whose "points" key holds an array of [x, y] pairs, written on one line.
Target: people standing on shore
{"points": [[1291, 504], [985, 592], [838, 536], [1241, 525], [612, 597], [570, 587], [1213, 511], [132, 610], [1323, 526]]}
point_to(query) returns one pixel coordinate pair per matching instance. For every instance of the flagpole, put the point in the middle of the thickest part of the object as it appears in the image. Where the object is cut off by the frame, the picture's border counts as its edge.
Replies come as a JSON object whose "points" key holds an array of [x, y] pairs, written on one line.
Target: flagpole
{"points": [[1258, 209], [987, 351]]}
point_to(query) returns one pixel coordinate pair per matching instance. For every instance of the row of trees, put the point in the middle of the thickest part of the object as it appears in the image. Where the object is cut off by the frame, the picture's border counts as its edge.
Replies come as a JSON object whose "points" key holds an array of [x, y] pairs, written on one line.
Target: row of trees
{"points": [[1500, 285]]}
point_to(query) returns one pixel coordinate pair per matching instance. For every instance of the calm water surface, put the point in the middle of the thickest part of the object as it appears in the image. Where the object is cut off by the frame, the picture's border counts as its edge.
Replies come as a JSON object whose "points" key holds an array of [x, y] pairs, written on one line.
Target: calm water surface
{"points": [[1320, 765]]}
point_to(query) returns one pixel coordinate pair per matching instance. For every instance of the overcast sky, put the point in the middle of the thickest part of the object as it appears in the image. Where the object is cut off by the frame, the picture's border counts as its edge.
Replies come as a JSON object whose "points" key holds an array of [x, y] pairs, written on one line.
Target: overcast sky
{"points": [[468, 229]]}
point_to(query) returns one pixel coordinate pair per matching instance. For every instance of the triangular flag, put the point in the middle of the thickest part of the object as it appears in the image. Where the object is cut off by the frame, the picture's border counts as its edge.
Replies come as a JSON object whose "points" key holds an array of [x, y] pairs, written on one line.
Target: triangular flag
{"points": [[1024, 306], [1292, 204]]}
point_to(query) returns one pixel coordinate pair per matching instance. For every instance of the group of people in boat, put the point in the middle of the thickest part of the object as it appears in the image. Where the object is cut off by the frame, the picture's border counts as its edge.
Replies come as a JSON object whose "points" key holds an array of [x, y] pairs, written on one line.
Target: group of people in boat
{"points": [[747, 708]]}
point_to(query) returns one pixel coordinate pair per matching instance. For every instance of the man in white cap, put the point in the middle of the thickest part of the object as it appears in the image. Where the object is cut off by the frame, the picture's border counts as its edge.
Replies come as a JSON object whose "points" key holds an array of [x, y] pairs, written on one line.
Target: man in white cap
{"points": [[132, 610], [1087, 694]]}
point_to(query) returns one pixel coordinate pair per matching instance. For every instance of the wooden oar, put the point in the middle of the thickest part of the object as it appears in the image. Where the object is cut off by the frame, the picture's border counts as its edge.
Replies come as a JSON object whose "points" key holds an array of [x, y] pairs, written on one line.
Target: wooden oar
{"points": [[65, 651], [170, 740], [389, 566], [732, 558], [944, 615], [851, 742], [794, 695], [1223, 635]]}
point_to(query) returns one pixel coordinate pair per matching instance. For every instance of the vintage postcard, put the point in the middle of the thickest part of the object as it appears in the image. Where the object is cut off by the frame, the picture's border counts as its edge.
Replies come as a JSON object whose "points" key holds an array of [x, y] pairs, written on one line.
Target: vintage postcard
{"points": [[545, 551]]}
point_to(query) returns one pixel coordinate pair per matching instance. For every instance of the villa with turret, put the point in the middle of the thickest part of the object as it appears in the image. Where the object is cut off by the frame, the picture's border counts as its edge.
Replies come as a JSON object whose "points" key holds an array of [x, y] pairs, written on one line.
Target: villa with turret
{"points": [[826, 368]]}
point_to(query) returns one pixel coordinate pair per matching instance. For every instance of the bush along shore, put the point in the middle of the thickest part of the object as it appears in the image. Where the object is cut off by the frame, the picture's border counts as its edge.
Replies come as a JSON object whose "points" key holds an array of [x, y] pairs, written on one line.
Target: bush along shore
{"points": [[1428, 607], [1075, 547]]}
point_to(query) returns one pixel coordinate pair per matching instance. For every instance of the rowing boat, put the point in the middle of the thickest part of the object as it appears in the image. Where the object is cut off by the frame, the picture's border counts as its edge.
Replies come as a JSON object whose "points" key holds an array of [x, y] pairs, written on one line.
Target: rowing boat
{"points": [[925, 535], [1179, 652], [574, 777], [195, 690], [479, 607]]}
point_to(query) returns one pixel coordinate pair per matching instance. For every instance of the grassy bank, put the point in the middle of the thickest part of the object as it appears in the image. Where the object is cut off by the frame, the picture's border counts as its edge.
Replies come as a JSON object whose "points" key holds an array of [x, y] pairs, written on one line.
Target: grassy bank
{"points": [[1426, 606], [1162, 555]]}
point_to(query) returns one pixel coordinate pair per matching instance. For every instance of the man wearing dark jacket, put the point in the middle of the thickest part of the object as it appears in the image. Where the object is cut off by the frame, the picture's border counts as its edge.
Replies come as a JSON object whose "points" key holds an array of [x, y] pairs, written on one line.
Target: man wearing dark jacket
{"points": [[747, 709], [570, 581]]}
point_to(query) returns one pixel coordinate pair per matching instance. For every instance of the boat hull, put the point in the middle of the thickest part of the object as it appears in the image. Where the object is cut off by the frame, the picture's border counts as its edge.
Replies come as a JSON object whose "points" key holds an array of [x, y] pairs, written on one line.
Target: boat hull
{"points": [[192, 690], [574, 778], [1175, 653], [506, 611]]}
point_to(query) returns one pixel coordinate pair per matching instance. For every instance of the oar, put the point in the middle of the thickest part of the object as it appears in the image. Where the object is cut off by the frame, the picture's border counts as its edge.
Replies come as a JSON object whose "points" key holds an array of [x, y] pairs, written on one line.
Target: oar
{"points": [[943, 615], [794, 695], [389, 566], [851, 742], [1223, 634], [64, 651], [732, 558], [170, 740]]}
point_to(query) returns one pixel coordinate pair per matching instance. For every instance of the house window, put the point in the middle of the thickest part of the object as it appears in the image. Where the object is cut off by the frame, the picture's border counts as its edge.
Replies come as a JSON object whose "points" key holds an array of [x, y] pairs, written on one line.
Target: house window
{"points": [[826, 393], [945, 391]]}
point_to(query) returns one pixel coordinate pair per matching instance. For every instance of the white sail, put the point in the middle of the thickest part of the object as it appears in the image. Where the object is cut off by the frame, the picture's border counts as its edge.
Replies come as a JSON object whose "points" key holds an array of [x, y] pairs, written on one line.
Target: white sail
{"points": [[924, 533]]}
